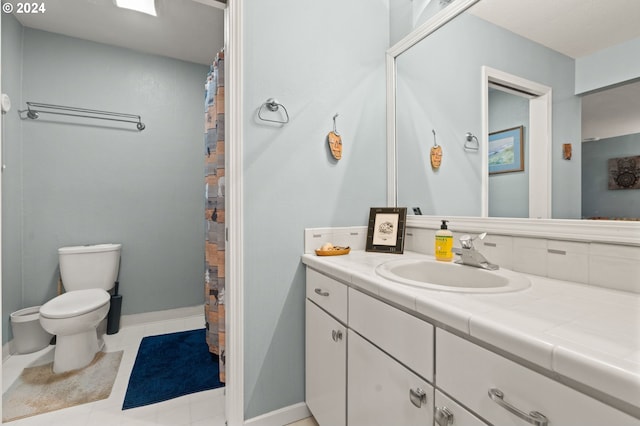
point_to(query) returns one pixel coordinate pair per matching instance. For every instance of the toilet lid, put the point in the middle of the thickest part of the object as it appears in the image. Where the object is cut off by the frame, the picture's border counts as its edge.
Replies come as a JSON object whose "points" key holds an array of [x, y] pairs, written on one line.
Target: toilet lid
{"points": [[75, 303]]}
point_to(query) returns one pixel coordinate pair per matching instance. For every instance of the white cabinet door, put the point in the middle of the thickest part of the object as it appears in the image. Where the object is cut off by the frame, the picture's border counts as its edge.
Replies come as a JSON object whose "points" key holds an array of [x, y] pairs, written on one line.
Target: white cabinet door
{"points": [[326, 367], [382, 392]]}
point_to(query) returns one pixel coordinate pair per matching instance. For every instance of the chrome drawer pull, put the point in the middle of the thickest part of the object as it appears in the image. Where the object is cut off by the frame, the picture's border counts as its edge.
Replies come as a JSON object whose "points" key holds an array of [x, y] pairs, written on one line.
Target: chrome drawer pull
{"points": [[336, 335], [322, 293], [534, 417], [417, 397], [444, 416]]}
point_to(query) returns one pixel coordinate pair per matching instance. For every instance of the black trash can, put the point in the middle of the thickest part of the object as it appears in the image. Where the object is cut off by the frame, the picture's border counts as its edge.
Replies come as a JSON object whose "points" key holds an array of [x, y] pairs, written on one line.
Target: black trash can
{"points": [[113, 317]]}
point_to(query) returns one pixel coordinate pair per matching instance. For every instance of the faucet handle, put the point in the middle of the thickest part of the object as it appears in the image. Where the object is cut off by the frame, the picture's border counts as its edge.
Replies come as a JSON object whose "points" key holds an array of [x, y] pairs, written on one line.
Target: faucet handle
{"points": [[467, 241]]}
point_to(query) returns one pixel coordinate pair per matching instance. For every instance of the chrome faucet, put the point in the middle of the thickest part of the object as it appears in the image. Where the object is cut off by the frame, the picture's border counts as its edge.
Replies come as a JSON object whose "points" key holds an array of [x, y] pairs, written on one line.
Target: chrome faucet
{"points": [[470, 256]]}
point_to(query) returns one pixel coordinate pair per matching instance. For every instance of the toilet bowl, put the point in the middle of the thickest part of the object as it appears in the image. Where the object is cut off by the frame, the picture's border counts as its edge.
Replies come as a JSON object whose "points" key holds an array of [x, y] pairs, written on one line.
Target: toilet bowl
{"points": [[87, 273], [73, 317]]}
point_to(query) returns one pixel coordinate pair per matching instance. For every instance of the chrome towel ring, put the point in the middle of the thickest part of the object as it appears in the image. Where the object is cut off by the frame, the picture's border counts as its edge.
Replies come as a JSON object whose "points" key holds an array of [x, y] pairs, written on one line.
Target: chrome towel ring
{"points": [[272, 105]]}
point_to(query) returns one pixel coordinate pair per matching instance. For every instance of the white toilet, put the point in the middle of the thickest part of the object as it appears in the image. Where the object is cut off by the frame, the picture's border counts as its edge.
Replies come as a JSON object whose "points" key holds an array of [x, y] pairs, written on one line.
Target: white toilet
{"points": [[88, 272]]}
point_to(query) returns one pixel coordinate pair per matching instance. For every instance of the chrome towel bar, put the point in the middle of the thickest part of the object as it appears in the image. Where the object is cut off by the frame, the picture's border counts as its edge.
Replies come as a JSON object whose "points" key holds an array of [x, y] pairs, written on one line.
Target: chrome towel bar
{"points": [[34, 109]]}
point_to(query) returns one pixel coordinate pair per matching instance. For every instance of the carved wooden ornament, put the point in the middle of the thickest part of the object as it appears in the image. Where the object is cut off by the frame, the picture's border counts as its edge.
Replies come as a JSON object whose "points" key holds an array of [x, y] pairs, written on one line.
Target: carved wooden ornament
{"points": [[436, 157], [335, 144]]}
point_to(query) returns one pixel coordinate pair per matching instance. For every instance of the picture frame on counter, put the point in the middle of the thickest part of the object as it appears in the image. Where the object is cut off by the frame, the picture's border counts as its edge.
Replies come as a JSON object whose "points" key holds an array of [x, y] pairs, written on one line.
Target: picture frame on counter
{"points": [[386, 229]]}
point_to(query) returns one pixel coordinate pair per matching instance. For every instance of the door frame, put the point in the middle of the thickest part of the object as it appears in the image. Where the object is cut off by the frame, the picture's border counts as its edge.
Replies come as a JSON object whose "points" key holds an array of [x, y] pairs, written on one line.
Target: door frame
{"points": [[540, 138], [234, 401]]}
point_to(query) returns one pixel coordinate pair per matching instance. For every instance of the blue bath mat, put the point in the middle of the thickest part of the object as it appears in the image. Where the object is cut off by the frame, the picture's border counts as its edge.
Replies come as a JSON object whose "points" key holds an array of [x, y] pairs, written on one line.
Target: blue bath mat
{"points": [[169, 366]]}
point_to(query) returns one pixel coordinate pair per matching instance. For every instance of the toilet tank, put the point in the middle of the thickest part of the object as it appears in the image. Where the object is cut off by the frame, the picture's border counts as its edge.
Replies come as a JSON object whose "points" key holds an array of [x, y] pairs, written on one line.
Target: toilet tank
{"points": [[91, 266]]}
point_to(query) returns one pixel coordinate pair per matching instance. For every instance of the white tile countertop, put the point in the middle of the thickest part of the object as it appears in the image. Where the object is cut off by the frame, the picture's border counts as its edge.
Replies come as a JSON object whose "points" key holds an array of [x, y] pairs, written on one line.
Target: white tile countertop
{"points": [[588, 334]]}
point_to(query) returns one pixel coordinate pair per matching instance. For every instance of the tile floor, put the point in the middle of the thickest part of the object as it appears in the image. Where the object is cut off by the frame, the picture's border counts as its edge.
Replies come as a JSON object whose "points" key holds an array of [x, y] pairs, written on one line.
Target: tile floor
{"points": [[199, 409]]}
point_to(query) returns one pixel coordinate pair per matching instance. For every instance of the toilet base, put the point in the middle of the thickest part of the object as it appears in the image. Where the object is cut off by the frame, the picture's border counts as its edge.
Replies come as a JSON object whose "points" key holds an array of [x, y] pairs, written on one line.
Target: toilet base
{"points": [[75, 351]]}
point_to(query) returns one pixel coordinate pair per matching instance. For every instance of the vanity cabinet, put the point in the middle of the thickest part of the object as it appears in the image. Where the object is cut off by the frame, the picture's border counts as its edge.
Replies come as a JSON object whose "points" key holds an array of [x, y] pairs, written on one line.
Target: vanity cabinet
{"points": [[381, 391], [370, 363], [506, 393]]}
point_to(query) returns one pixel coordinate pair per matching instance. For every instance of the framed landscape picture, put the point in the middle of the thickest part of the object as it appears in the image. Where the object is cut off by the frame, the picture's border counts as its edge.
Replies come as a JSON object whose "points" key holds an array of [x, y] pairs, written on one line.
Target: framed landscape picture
{"points": [[506, 151]]}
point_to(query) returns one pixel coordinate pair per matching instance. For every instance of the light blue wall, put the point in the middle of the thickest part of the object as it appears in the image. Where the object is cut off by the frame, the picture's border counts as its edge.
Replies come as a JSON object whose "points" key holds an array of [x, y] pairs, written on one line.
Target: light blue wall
{"points": [[87, 181], [407, 15], [12, 176], [509, 192], [609, 66], [597, 199], [318, 59], [400, 19], [439, 88]]}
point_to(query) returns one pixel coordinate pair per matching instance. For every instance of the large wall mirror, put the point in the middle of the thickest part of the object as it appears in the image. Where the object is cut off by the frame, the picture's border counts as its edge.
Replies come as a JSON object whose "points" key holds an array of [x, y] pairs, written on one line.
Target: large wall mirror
{"points": [[582, 74]]}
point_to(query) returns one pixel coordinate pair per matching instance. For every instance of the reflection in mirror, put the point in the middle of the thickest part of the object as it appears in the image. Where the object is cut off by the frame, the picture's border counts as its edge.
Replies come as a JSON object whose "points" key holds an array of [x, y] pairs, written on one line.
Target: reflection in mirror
{"points": [[454, 187], [533, 179], [449, 98], [509, 190], [611, 133], [437, 88]]}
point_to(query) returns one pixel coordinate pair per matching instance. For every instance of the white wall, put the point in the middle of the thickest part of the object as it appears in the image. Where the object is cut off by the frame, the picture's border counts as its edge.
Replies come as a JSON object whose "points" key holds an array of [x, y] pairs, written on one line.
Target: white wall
{"points": [[318, 59]]}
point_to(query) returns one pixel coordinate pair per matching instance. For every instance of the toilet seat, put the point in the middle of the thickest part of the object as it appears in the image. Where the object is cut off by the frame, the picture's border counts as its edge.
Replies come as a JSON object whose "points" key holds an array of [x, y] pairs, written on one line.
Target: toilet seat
{"points": [[75, 303]]}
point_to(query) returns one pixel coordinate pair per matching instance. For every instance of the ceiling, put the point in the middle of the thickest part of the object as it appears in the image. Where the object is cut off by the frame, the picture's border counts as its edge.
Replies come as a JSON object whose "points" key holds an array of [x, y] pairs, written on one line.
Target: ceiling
{"points": [[576, 28], [189, 30]]}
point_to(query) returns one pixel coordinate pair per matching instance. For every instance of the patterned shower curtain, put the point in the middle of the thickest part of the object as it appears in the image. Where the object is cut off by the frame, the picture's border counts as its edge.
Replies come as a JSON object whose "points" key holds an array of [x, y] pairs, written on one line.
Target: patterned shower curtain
{"points": [[214, 214]]}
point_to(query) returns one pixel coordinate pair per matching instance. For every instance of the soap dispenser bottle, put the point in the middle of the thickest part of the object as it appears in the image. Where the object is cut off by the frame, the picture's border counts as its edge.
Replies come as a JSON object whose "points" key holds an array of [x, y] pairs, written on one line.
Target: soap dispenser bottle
{"points": [[444, 243]]}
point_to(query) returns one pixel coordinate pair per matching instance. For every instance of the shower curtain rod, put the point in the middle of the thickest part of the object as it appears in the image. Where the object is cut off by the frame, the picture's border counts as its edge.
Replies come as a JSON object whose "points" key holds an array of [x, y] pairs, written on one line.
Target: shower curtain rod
{"points": [[34, 109]]}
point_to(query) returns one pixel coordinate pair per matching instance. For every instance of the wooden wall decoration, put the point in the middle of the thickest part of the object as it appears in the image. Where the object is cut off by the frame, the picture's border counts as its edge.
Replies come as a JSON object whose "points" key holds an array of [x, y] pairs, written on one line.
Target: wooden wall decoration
{"points": [[624, 172]]}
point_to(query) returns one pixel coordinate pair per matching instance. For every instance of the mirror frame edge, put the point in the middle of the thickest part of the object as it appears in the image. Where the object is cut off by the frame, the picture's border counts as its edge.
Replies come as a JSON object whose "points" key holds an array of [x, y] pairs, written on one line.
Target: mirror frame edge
{"points": [[606, 231]]}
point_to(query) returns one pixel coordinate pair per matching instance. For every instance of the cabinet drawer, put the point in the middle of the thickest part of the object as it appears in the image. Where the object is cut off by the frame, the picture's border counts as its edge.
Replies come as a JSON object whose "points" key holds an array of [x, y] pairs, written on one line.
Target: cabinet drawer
{"points": [[468, 372], [405, 337], [327, 293], [382, 392], [459, 415]]}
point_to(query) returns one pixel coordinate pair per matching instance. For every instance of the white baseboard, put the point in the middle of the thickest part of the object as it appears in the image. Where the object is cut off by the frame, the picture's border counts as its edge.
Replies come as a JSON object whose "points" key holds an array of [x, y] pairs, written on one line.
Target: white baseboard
{"points": [[169, 314], [6, 350], [281, 417]]}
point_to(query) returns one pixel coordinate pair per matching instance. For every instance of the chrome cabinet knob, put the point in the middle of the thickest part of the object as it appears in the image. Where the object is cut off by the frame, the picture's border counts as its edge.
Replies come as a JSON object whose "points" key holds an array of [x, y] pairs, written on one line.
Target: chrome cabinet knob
{"points": [[417, 397], [444, 416]]}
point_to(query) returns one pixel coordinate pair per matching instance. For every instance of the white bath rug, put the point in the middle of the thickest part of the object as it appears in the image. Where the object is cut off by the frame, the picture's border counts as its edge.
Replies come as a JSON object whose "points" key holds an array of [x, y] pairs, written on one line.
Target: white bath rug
{"points": [[39, 390]]}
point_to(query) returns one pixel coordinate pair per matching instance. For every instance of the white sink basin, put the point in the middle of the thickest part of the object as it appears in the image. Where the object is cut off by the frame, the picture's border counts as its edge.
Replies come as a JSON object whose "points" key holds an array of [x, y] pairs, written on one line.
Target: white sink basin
{"points": [[448, 276]]}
